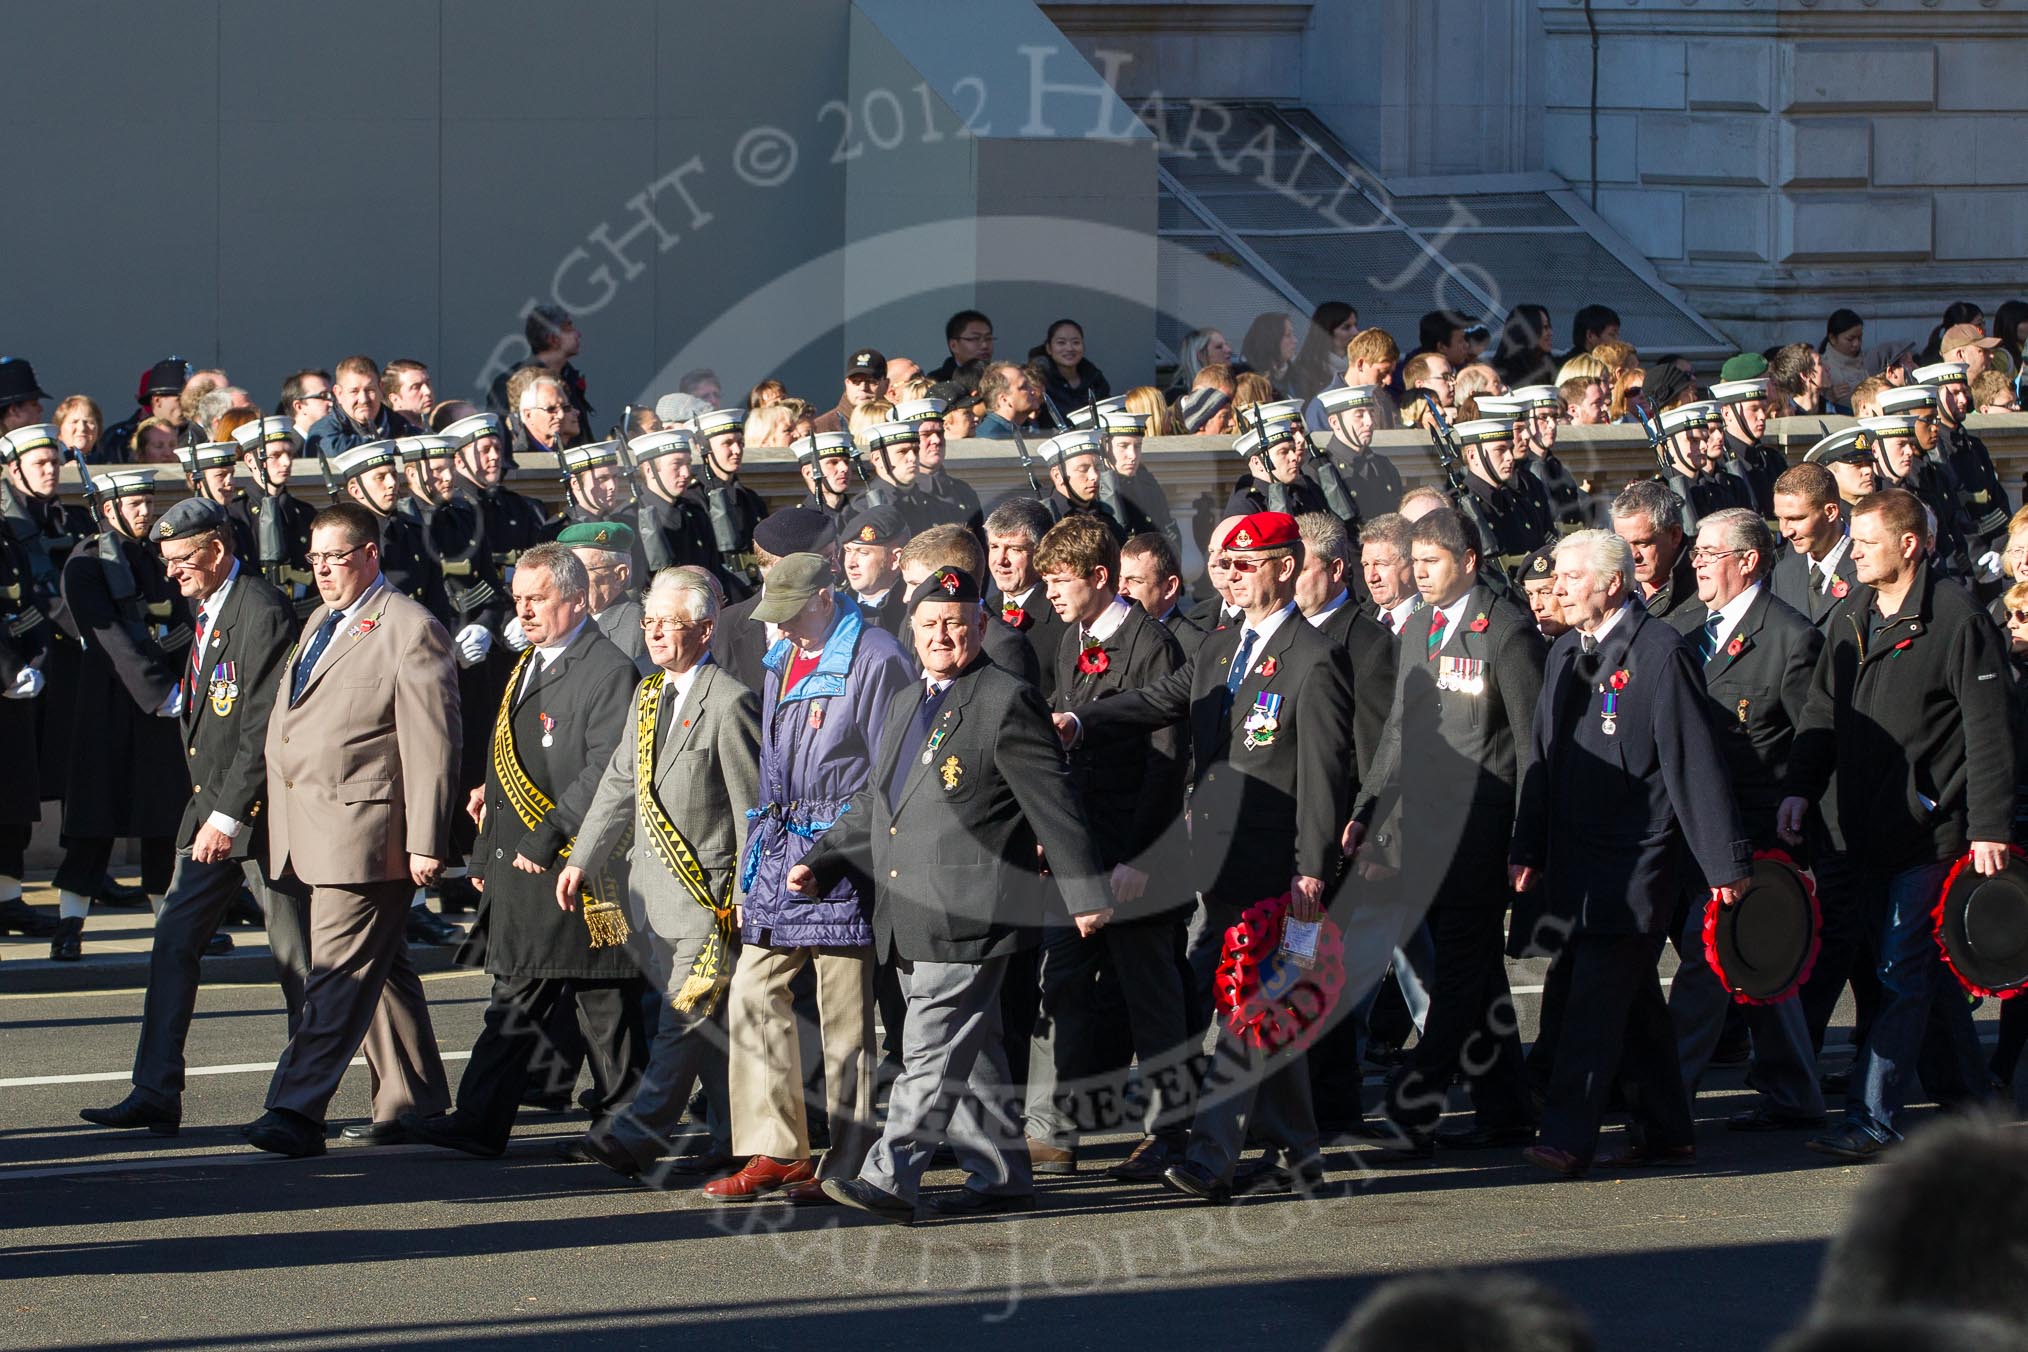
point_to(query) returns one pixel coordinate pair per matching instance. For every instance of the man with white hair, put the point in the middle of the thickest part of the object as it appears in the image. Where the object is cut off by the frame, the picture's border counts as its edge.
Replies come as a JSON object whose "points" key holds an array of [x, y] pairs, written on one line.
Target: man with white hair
{"points": [[542, 405], [605, 548], [1625, 785]]}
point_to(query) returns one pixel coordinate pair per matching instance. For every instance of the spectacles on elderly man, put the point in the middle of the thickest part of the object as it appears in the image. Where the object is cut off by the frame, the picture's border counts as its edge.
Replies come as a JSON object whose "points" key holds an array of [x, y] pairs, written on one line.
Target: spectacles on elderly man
{"points": [[655, 624]]}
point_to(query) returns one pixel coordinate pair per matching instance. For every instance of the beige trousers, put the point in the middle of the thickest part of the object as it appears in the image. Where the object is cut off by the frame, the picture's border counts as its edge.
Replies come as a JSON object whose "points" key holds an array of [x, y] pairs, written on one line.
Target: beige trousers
{"points": [[765, 1071]]}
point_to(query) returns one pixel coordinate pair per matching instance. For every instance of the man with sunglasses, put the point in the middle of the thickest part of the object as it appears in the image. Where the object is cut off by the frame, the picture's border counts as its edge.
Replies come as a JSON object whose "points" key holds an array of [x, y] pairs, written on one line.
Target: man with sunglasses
{"points": [[243, 631]]}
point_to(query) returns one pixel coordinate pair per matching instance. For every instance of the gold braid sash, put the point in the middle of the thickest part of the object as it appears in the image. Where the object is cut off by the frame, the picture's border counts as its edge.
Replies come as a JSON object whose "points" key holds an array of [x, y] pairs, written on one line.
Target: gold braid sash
{"points": [[711, 973], [603, 914]]}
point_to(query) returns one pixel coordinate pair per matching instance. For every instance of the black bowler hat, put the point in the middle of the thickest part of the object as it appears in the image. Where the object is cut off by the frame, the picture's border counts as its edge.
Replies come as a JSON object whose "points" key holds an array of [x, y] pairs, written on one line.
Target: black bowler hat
{"points": [[17, 382], [1764, 945], [167, 376], [1982, 926]]}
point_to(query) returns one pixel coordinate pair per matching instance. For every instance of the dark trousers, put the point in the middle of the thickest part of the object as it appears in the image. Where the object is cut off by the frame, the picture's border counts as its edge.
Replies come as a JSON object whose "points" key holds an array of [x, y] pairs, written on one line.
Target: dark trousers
{"points": [[14, 838], [1471, 1028], [85, 859], [1615, 1027], [1848, 954], [608, 1012], [199, 895], [686, 1050]]}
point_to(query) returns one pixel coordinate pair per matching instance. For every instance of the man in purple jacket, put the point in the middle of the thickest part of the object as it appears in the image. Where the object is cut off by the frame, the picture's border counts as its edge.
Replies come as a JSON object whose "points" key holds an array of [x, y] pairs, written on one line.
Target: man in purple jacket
{"points": [[823, 702]]}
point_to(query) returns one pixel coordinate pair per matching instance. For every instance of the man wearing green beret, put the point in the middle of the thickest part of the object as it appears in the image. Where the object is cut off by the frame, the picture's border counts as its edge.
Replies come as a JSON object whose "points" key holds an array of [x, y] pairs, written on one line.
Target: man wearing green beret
{"points": [[606, 549], [1743, 406]]}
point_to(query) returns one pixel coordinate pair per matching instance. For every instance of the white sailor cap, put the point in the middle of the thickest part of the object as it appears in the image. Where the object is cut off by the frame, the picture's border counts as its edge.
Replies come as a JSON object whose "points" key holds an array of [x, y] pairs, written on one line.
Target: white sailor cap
{"points": [[920, 410], [1252, 442], [1847, 444], [1890, 425], [1500, 406], [265, 432], [591, 455], [1942, 373], [893, 433], [1482, 430], [1689, 417], [1739, 391], [434, 446], [1081, 416], [825, 446], [654, 445], [1341, 397], [207, 455], [33, 437], [125, 483], [1066, 446], [718, 421], [1122, 422], [356, 460], [1535, 396], [465, 431], [1906, 398]]}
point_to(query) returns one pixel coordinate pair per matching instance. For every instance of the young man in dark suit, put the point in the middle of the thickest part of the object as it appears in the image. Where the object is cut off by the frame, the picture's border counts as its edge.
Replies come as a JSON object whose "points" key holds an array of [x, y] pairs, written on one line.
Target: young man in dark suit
{"points": [[1625, 786], [243, 629], [1440, 803], [967, 784], [1013, 530], [1268, 705], [1325, 589], [1759, 656], [1133, 799], [1815, 573], [1151, 577]]}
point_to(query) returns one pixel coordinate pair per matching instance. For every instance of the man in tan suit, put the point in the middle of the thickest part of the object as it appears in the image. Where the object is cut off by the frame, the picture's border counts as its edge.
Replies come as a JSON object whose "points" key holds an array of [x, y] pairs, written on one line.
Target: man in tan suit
{"points": [[362, 756]]}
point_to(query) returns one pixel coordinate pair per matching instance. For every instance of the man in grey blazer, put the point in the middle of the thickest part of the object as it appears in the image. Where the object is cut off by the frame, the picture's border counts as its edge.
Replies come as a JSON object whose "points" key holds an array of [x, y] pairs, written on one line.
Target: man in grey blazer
{"points": [[689, 831], [362, 768], [965, 787]]}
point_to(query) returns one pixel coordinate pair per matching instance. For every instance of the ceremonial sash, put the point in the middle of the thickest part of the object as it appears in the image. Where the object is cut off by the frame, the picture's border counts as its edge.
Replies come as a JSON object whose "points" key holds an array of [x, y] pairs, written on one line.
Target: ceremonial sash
{"points": [[600, 896], [711, 973]]}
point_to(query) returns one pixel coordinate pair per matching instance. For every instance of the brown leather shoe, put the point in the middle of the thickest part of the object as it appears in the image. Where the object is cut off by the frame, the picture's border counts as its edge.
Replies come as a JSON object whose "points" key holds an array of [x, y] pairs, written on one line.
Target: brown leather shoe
{"points": [[761, 1176], [1555, 1161], [1044, 1158]]}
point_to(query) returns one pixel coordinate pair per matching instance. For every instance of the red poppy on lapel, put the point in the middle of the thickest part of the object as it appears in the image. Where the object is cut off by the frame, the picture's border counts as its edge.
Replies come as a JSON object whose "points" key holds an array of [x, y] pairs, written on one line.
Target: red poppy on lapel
{"points": [[1478, 625], [1014, 616], [363, 627], [1619, 679], [1092, 660], [1839, 586], [1267, 668], [1736, 647], [1903, 644]]}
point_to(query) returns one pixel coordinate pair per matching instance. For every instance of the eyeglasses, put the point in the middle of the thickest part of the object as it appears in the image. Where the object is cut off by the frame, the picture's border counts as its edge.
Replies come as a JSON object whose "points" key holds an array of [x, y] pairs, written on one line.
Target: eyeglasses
{"points": [[1702, 555], [551, 409], [2020, 616], [181, 561], [334, 558], [655, 624], [1251, 565], [325, 395]]}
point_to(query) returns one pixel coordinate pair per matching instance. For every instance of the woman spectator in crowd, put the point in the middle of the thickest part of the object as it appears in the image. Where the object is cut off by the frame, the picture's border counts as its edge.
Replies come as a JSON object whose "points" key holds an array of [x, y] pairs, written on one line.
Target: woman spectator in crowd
{"points": [[1480, 378], [770, 425], [643, 421], [801, 418], [79, 423], [769, 391], [1626, 387], [154, 442], [1270, 347], [2010, 326], [1320, 362], [1250, 388], [961, 418], [1960, 312], [1147, 401], [1201, 348], [1526, 355], [1069, 379], [1844, 368]]}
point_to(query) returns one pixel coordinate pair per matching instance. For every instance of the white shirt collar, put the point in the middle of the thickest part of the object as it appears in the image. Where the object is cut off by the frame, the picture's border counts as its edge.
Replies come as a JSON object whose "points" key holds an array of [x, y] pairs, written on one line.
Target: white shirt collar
{"points": [[351, 612], [1612, 620], [549, 652], [1265, 630], [1398, 613], [676, 687], [1020, 600], [875, 599], [1829, 563], [1451, 615], [208, 608], [1338, 603], [1109, 621], [1732, 612]]}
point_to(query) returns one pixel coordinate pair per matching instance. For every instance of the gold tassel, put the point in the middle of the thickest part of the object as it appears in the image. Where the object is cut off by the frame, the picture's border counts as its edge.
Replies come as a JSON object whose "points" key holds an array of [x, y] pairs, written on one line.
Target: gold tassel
{"points": [[699, 994], [606, 922]]}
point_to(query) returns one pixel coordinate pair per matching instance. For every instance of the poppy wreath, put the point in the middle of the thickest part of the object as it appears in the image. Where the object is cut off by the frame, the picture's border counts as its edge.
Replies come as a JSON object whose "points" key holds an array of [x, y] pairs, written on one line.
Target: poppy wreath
{"points": [[1269, 1000], [1711, 909], [1936, 918]]}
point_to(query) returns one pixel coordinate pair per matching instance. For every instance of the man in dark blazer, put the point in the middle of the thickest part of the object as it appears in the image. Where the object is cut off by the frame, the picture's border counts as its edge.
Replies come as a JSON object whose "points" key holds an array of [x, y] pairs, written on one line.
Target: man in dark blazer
{"points": [[565, 710], [1907, 724], [966, 786], [1440, 802], [1151, 577], [1268, 705], [1815, 573], [1133, 798], [1324, 593], [1626, 789], [1013, 530], [1649, 517], [1759, 656], [243, 631]]}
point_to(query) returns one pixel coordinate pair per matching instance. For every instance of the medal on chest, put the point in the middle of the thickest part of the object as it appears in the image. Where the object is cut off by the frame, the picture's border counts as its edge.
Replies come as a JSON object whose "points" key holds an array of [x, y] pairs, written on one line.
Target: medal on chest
{"points": [[1609, 702], [936, 739], [224, 687], [1463, 675], [548, 729], [1263, 721]]}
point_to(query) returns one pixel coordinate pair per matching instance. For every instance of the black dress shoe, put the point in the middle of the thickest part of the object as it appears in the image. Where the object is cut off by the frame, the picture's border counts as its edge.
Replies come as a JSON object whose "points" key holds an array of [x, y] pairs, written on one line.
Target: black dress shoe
{"points": [[597, 1148], [218, 944], [18, 917], [375, 1133], [443, 1130], [427, 928], [1765, 1118], [700, 1162], [1194, 1180], [68, 943], [281, 1132], [1847, 1143], [113, 893], [137, 1110], [1146, 1162], [860, 1195], [1485, 1138], [971, 1202]]}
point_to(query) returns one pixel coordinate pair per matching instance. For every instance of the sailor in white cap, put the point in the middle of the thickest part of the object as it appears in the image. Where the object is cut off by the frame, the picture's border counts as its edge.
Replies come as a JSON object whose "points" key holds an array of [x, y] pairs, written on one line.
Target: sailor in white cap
{"points": [[275, 523], [1076, 460], [1569, 502], [1692, 452], [1273, 443], [825, 459], [1911, 457], [672, 525], [960, 502], [1984, 496], [1353, 413], [1742, 414], [734, 508]]}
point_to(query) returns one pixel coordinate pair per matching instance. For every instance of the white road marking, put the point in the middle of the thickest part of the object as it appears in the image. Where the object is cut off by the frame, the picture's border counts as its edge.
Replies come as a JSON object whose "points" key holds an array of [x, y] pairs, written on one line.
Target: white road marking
{"points": [[242, 1068]]}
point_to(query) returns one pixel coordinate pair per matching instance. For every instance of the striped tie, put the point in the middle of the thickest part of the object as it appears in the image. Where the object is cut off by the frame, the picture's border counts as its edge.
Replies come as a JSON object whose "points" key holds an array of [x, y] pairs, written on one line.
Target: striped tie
{"points": [[1436, 632]]}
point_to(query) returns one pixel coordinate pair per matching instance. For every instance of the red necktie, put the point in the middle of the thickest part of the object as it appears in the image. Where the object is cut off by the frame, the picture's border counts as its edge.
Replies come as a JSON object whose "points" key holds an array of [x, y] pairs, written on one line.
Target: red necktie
{"points": [[1436, 631]]}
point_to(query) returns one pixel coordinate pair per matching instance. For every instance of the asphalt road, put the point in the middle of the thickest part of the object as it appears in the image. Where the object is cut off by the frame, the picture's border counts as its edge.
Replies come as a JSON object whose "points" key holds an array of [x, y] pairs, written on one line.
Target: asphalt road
{"points": [[118, 1240]]}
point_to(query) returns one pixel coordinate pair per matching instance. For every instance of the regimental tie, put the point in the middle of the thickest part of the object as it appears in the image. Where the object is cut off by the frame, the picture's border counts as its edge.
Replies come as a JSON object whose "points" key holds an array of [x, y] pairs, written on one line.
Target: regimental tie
{"points": [[1237, 672], [1707, 645], [1436, 631], [307, 663]]}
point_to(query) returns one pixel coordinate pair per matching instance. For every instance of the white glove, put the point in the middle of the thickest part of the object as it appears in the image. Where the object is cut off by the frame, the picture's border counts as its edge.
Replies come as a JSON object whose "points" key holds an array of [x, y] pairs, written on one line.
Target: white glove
{"points": [[172, 707], [1989, 566], [511, 634], [473, 642], [27, 684]]}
